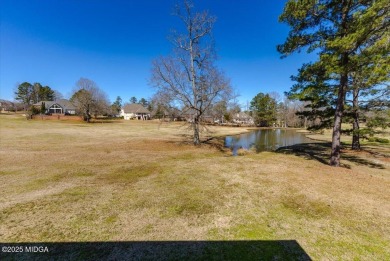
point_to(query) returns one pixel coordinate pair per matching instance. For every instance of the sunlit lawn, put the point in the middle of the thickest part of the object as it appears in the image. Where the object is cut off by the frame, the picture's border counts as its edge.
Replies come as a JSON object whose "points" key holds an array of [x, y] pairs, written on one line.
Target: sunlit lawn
{"points": [[134, 180]]}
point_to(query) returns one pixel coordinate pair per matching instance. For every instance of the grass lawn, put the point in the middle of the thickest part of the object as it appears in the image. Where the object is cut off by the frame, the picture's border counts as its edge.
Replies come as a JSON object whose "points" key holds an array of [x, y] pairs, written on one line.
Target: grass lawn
{"points": [[64, 181]]}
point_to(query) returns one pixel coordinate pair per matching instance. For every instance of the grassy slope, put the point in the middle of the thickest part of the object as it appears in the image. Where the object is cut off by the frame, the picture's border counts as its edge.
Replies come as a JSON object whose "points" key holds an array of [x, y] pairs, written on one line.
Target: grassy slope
{"points": [[64, 181]]}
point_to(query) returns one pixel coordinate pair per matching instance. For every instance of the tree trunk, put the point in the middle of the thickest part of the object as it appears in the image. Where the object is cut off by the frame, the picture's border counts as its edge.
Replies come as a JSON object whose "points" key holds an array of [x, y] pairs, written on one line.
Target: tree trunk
{"points": [[336, 145], [355, 131], [335, 154], [196, 131], [88, 116]]}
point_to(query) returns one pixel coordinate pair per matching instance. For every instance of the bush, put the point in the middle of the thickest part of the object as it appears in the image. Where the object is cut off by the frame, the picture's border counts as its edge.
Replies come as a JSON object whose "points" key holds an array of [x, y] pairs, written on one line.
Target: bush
{"points": [[242, 152], [35, 110], [380, 140]]}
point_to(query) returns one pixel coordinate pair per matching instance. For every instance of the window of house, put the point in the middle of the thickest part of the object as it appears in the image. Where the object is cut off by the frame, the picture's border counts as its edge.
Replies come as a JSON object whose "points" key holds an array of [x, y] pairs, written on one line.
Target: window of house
{"points": [[56, 109]]}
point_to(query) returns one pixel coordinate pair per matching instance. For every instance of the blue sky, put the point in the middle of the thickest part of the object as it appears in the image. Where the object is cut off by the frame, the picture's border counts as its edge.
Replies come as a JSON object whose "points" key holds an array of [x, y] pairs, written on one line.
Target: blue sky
{"points": [[112, 42]]}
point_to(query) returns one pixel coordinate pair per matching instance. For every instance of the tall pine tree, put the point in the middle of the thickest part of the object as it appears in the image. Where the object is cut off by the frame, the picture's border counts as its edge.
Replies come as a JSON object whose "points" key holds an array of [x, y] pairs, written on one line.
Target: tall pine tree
{"points": [[341, 31]]}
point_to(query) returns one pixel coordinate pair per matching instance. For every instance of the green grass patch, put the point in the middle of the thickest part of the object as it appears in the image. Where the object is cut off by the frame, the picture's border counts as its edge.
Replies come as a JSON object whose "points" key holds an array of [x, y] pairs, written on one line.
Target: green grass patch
{"points": [[379, 140], [132, 174], [190, 205], [253, 230], [303, 206]]}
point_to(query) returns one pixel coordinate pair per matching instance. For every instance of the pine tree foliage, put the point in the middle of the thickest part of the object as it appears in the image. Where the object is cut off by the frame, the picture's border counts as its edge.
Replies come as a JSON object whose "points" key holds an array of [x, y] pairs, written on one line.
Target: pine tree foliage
{"points": [[264, 109], [29, 94], [343, 33]]}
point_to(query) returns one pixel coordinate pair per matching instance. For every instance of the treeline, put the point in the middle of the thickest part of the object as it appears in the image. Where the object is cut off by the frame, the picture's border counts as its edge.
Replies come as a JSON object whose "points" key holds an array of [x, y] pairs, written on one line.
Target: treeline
{"points": [[88, 99], [28, 94], [268, 109]]}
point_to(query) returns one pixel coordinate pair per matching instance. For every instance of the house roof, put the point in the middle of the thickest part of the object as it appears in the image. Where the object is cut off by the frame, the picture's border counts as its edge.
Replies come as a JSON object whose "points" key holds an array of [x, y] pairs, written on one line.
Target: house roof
{"points": [[65, 104], [6, 103], [135, 108]]}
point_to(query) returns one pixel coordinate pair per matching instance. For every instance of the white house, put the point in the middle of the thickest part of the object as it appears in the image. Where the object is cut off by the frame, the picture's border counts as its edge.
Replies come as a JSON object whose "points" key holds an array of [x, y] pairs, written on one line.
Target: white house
{"points": [[243, 118], [135, 111]]}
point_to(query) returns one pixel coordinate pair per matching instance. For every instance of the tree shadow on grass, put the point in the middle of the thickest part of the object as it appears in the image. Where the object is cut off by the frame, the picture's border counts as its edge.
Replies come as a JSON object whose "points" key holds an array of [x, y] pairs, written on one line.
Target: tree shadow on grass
{"points": [[320, 151], [212, 142], [216, 142], [362, 161], [157, 250], [103, 121], [377, 151]]}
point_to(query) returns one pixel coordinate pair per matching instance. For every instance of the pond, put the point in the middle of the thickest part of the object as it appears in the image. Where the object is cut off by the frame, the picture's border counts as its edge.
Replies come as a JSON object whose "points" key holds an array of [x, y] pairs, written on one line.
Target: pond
{"points": [[265, 140]]}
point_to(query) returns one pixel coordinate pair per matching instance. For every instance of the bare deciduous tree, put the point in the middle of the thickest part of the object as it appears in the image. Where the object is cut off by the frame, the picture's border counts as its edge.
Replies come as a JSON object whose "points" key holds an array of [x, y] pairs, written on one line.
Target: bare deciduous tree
{"points": [[58, 95], [89, 99], [189, 77], [287, 113]]}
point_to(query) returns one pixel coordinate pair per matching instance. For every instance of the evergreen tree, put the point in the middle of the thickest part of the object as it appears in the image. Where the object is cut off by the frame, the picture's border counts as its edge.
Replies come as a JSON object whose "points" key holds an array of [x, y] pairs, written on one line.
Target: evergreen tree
{"points": [[24, 93], [369, 71], [46, 94], [143, 102], [117, 105], [133, 100], [43, 108], [264, 109], [315, 87], [29, 93], [341, 31]]}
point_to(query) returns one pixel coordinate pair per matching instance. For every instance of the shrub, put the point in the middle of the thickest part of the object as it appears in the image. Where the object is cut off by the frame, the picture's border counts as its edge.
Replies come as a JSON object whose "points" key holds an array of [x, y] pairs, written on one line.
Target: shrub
{"points": [[380, 140], [242, 152], [35, 110]]}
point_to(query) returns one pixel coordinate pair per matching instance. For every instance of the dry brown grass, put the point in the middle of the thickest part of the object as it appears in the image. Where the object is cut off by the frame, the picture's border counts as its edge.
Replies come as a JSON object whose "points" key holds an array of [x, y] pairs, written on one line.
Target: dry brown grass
{"points": [[134, 180]]}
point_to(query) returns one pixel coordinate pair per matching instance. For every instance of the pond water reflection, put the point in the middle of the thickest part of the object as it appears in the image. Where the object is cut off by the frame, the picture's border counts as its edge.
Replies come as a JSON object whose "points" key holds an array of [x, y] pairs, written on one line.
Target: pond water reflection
{"points": [[265, 139]]}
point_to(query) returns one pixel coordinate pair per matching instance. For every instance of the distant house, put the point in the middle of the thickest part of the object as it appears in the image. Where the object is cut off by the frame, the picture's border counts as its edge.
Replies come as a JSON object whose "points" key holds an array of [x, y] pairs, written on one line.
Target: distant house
{"points": [[61, 106], [135, 111], [161, 112], [243, 118], [6, 106], [189, 115]]}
